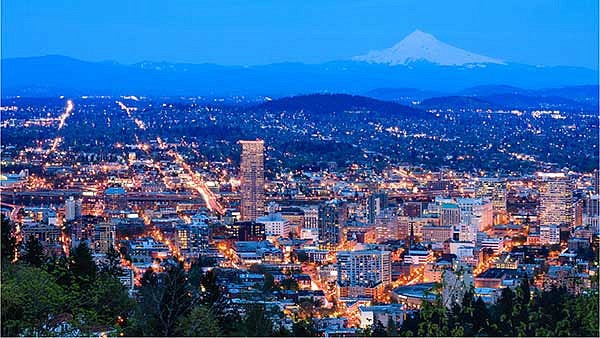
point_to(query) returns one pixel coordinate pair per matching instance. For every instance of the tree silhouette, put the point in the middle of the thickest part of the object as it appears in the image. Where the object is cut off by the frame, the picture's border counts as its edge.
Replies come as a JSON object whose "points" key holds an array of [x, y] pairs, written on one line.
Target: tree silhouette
{"points": [[34, 252]]}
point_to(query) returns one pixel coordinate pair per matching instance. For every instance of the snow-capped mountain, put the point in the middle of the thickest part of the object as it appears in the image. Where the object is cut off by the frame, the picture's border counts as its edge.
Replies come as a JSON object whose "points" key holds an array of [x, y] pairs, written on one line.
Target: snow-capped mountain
{"points": [[429, 64], [421, 46]]}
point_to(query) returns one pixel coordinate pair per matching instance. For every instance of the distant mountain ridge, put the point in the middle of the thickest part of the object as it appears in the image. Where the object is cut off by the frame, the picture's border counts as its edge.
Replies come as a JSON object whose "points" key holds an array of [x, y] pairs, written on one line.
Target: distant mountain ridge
{"points": [[418, 61]]}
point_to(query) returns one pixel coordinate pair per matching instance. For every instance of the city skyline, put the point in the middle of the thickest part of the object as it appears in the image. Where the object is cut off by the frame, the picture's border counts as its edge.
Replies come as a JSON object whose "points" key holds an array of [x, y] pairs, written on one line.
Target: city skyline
{"points": [[341, 169]]}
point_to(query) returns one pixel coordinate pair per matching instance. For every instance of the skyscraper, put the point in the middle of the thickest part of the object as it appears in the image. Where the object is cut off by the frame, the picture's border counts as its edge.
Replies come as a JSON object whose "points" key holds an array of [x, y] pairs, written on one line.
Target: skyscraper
{"points": [[252, 180], [329, 224], [591, 212], [556, 199], [476, 214], [72, 208], [376, 203]]}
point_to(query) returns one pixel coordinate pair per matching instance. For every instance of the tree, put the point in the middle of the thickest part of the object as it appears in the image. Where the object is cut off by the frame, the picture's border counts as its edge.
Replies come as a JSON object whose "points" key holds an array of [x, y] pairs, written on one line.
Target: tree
{"points": [[200, 322], [8, 242], [377, 329], [82, 264], [309, 306], [504, 312], [176, 300], [257, 321], [111, 300], [481, 317], [34, 252], [392, 328], [144, 321], [30, 299], [433, 319], [213, 297], [113, 263]]}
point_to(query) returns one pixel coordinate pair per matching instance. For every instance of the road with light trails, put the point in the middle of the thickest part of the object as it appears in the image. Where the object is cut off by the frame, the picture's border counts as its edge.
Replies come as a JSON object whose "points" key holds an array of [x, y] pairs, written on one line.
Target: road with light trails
{"points": [[61, 123], [197, 182]]}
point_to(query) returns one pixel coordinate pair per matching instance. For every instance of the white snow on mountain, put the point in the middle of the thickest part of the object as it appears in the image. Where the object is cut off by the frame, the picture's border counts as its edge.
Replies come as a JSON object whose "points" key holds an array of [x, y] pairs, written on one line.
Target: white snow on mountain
{"points": [[421, 46]]}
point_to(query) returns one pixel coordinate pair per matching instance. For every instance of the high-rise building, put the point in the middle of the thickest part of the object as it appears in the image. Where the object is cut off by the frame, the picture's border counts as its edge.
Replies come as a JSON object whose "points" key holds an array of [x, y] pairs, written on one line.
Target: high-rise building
{"points": [[104, 237], [476, 214], [495, 190], [376, 203], [549, 234], [193, 239], [252, 179], [449, 214], [72, 208], [591, 213], [556, 199], [412, 209], [386, 225], [366, 268], [329, 224], [294, 215]]}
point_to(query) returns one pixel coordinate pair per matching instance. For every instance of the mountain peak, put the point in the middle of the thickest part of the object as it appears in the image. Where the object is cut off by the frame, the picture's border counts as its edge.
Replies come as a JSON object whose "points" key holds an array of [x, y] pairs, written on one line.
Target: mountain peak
{"points": [[421, 46], [419, 34]]}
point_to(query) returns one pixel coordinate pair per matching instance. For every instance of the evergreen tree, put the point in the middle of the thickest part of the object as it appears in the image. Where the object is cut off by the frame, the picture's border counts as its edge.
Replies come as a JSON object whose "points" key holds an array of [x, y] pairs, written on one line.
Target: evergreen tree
{"points": [[392, 328], [378, 330], [113, 263], [200, 322], [8, 241], [34, 252], [304, 328], [257, 321], [176, 300], [82, 264], [504, 312], [481, 318]]}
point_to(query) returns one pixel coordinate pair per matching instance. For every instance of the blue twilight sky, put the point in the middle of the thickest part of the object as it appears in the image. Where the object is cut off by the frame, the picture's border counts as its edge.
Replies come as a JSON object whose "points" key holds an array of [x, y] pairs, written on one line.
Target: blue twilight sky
{"points": [[541, 32]]}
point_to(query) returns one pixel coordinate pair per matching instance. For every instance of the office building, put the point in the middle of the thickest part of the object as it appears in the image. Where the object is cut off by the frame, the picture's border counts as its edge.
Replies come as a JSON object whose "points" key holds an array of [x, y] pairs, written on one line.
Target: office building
{"points": [[591, 213], [375, 204], [476, 214], [556, 199], [329, 224], [252, 180], [366, 268], [275, 225], [247, 231], [549, 234], [104, 237], [72, 208]]}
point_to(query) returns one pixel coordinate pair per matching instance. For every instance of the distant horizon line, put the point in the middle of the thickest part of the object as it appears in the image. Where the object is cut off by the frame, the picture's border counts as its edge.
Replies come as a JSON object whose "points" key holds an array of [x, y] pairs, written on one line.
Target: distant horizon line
{"points": [[351, 60]]}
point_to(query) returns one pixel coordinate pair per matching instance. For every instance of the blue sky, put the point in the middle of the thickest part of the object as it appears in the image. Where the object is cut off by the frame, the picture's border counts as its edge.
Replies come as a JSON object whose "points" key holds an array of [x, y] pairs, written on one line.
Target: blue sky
{"points": [[544, 32]]}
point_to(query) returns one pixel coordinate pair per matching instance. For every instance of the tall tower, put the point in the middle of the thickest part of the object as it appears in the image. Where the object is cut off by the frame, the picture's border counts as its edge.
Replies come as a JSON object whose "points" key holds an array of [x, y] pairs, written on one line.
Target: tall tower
{"points": [[375, 204], [252, 176], [329, 223], [556, 199]]}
